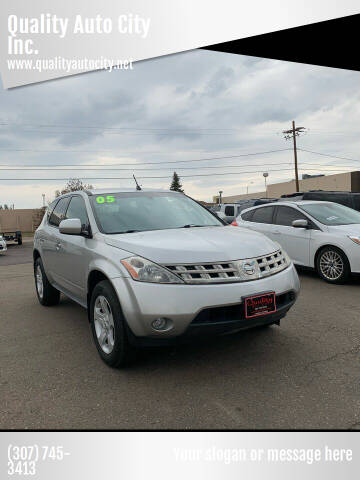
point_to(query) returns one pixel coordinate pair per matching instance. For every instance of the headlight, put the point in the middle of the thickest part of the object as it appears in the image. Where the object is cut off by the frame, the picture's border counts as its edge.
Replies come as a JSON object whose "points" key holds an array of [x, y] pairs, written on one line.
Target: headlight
{"points": [[286, 257], [144, 270], [355, 239]]}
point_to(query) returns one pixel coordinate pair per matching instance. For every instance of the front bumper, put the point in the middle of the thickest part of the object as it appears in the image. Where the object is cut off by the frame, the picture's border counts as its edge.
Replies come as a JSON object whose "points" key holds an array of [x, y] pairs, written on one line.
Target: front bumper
{"points": [[144, 302]]}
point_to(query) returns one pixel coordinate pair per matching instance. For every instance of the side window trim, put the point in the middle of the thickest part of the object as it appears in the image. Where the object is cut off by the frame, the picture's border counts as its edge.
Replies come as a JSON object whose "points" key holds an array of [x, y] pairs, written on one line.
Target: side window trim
{"points": [[313, 225], [68, 201], [250, 213], [262, 207], [53, 203], [68, 205]]}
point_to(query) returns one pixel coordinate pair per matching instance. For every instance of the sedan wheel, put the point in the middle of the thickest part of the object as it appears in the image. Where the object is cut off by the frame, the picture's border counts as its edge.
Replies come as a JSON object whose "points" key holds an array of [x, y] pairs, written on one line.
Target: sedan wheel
{"points": [[332, 265], [104, 324]]}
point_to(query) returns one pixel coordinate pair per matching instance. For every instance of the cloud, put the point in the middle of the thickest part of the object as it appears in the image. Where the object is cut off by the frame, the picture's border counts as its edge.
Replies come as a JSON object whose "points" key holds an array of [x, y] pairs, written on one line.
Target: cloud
{"points": [[193, 105]]}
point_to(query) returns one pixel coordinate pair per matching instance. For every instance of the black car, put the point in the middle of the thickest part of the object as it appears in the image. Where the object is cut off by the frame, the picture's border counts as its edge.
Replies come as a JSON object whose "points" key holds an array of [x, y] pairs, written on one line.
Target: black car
{"points": [[349, 199]]}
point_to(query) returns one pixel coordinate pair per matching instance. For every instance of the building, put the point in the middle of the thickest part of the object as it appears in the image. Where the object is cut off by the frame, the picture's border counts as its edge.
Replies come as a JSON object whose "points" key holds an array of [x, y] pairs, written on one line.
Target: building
{"points": [[25, 220], [349, 182]]}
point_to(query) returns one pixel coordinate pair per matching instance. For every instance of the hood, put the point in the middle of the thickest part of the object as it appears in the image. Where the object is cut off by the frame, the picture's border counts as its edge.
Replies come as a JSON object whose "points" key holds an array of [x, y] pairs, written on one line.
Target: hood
{"points": [[352, 229], [195, 245]]}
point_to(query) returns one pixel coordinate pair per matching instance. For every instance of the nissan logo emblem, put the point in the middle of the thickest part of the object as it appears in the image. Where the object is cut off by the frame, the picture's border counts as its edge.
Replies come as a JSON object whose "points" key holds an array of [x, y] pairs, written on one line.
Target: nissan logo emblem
{"points": [[249, 267]]}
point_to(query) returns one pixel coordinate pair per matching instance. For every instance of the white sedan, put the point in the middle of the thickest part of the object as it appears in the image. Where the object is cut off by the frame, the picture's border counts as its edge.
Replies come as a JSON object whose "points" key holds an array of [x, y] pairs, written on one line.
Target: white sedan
{"points": [[3, 246], [320, 235]]}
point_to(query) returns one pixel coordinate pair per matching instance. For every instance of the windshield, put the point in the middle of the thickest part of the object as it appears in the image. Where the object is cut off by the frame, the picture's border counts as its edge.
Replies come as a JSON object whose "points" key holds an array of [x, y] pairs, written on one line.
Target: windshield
{"points": [[332, 213], [141, 211]]}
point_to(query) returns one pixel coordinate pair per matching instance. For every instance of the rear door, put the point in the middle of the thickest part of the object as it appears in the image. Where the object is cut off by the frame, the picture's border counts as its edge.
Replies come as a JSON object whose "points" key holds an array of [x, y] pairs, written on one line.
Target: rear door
{"points": [[296, 241], [261, 220]]}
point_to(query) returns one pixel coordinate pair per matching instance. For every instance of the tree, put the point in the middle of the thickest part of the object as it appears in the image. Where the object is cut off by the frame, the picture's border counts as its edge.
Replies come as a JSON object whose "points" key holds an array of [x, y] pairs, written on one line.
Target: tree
{"points": [[73, 185], [175, 184]]}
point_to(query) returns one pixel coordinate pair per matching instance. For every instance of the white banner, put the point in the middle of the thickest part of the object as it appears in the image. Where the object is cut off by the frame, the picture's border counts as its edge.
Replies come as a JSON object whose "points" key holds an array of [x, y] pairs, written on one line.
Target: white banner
{"points": [[43, 40], [164, 456]]}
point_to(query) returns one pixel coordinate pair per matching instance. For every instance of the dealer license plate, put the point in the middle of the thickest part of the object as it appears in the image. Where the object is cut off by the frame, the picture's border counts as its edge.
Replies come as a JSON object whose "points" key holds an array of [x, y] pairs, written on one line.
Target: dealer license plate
{"points": [[260, 305]]}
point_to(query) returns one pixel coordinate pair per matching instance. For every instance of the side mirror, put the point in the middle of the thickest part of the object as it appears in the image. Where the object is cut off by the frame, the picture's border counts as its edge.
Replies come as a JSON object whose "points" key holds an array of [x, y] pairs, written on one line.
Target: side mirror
{"points": [[301, 223], [71, 226]]}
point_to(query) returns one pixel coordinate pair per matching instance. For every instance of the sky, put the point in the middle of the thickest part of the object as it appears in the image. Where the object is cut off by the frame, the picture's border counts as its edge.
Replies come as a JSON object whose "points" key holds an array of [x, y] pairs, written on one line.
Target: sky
{"points": [[179, 108]]}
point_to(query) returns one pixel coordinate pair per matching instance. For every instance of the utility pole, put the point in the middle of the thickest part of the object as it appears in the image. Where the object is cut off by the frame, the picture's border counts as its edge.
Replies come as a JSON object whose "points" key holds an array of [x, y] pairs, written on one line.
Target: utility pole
{"points": [[293, 133], [265, 175]]}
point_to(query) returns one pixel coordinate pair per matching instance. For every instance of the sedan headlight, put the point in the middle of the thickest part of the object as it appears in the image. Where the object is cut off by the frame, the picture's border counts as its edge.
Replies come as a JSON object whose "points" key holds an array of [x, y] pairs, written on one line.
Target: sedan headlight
{"points": [[355, 239], [144, 270]]}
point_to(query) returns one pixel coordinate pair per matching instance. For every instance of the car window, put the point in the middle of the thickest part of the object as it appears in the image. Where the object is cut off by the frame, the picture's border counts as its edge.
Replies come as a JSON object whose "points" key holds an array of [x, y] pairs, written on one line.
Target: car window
{"points": [[50, 208], [144, 211], [229, 211], [247, 216], [77, 209], [263, 215], [58, 213], [286, 215], [332, 213]]}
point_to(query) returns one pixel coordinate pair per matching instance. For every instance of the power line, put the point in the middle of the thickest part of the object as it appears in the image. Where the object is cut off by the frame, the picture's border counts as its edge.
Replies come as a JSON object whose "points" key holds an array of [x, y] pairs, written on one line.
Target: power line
{"points": [[100, 167], [138, 169], [156, 177], [103, 127], [153, 129], [67, 132], [329, 155], [130, 178], [162, 163]]}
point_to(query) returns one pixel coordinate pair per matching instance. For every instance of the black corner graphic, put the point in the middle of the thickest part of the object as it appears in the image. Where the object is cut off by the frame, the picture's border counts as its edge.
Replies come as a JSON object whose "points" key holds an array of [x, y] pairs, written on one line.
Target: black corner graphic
{"points": [[333, 43]]}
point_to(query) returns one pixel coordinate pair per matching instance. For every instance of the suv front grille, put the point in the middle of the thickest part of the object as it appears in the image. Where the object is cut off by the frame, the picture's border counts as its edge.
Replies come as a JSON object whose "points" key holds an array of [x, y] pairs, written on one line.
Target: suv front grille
{"points": [[234, 271]]}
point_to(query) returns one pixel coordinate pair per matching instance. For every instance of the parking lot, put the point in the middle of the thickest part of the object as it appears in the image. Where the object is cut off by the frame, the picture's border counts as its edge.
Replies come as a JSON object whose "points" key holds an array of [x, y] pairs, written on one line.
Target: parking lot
{"points": [[303, 375]]}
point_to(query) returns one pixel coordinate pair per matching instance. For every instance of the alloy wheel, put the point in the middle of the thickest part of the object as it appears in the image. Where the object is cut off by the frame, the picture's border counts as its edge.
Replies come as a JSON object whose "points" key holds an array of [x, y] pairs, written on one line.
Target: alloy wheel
{"points": [[39, 282], [104, 324], [331, 265]]}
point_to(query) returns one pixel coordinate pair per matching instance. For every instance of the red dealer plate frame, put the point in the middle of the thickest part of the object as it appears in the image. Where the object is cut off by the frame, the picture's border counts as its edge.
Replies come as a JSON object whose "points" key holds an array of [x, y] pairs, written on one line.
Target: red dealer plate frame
{"points": [[259, 305]]}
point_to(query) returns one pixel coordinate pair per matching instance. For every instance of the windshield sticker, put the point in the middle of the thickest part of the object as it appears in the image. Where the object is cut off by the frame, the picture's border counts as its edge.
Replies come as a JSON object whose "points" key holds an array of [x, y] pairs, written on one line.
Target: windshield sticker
{"points": [[108, 199], [333, 217]]}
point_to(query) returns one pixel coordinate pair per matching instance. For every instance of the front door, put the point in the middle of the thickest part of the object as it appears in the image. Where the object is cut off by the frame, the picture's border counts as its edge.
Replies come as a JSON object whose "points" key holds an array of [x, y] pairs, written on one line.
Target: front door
{"points": [[72, 267], [296, 241]]}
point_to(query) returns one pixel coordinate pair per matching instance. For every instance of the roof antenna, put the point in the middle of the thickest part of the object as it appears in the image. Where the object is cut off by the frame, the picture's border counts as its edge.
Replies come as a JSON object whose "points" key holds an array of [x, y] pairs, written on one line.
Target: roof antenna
{"points": [[137, 185]]}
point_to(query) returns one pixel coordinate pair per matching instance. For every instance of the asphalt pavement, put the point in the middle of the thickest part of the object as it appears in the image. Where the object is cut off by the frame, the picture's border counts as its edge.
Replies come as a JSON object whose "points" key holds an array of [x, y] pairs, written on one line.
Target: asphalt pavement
{"points": [[301, 375]]}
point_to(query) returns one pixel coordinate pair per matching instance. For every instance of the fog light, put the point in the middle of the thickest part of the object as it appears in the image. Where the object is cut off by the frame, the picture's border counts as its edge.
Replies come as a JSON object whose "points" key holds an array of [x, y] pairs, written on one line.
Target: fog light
{"points": [[160, 323]]}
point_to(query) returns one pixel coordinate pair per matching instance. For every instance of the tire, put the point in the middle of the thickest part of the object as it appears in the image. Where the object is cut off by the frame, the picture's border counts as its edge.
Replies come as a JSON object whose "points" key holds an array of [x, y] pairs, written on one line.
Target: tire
{"points": [[332, 265], [48, 295], [108, 327]]}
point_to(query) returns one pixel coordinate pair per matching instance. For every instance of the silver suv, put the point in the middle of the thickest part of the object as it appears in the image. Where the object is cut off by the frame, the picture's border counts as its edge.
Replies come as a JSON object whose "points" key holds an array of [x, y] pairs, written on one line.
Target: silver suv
{"points": [[155, 266]]}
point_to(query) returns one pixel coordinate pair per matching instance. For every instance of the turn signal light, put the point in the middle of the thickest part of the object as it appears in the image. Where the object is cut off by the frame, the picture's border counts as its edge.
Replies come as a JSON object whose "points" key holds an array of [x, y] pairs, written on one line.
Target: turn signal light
{"points": [[234, 223]]}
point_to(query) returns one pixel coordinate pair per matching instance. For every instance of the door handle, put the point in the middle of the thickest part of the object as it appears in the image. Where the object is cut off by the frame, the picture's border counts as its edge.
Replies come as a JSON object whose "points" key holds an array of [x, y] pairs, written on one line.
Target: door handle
{"points": [[41, 240], [276, 232]]}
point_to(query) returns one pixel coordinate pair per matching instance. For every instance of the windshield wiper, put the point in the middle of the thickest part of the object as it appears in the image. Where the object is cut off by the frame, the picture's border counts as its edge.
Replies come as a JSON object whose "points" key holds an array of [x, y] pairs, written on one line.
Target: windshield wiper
{"points": [[192, 225], [130, 231]]}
